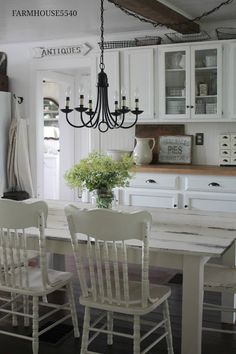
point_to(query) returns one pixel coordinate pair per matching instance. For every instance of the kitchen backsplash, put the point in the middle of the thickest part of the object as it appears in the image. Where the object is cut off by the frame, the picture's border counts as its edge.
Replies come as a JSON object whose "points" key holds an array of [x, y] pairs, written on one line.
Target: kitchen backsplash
{"points": [[207, 154]]}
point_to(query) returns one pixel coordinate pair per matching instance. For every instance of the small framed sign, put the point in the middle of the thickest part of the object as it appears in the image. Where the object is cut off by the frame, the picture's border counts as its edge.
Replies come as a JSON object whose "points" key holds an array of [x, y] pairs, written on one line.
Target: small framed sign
{"points": [[175, 149]]}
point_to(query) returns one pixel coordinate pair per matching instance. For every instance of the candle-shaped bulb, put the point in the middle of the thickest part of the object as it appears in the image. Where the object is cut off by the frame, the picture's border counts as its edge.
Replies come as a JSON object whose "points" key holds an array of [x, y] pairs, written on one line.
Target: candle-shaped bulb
{"points": [[136, 98], [123, 101], [123, 97], [68, 94], [90, 104], [67, 102], [116, 106], [81, 100]]}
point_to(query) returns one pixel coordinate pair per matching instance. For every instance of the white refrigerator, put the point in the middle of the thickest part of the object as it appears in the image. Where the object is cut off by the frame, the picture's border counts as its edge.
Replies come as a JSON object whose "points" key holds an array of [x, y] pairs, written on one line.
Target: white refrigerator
{"points": [[5, 120]]}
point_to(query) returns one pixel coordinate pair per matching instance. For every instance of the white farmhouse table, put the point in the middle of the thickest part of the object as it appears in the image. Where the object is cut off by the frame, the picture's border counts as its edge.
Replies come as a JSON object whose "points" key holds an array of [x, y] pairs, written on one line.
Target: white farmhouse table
{"points": [[180, 239]]}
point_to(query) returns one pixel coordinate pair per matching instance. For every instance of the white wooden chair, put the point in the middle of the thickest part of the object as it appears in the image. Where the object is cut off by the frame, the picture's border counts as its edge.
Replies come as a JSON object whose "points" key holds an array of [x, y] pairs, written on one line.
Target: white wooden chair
{"points": [[104, 278], [20, 282], [219, 278]]}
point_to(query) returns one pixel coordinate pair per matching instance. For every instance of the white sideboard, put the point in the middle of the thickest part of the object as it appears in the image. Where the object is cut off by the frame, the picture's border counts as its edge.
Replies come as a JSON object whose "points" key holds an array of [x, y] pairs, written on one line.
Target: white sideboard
{"points": [[182, 190]]}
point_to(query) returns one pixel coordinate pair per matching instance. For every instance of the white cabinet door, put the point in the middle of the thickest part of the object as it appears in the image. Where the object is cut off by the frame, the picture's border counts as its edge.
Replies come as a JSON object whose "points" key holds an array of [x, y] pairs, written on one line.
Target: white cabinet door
{"points": [[206, 81], [138, 80], [152, 198], [212, 202], [174, 89], [190, 82]]}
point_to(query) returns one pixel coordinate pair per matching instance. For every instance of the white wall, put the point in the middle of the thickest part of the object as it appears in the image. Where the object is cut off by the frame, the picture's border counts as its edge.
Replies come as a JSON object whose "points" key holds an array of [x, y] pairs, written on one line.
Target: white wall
{"points": [[208, 154]]}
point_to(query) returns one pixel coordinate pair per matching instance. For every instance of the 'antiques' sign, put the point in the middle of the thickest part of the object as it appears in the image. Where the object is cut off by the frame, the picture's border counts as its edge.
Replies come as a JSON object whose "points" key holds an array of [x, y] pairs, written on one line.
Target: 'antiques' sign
{"points": [[80, 49], [175, 149]]}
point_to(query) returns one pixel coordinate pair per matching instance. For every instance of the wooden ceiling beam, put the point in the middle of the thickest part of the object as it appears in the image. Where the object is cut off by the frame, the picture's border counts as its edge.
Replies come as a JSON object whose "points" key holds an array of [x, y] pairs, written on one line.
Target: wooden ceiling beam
{"points": [[159, 13]]}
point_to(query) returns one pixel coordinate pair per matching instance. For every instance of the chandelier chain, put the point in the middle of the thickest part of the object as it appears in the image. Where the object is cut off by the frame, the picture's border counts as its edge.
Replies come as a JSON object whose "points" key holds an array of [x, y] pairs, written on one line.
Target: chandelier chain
{"points": [[159, 24], [102, 65]]}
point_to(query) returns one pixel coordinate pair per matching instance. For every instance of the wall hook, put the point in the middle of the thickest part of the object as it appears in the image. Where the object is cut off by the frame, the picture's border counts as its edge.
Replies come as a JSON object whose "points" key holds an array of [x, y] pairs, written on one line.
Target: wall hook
{"points": [[18, 98]]}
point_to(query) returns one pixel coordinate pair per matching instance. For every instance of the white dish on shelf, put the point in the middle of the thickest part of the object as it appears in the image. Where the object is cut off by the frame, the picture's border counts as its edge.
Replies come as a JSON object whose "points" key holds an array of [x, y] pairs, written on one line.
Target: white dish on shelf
{"points": [[117, 154]]}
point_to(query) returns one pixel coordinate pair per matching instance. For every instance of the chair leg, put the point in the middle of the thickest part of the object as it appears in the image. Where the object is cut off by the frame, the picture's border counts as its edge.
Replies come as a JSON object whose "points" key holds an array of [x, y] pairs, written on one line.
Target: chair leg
{"points": [[166, 315], [136, 334], [85, 336], [73, 310], [14, 308], [26, 310], [35, 325], [110, 327]]}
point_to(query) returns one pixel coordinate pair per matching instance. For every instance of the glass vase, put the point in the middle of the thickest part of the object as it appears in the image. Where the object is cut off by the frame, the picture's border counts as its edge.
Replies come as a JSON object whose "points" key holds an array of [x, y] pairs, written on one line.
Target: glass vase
{"points": [[104, 198]]}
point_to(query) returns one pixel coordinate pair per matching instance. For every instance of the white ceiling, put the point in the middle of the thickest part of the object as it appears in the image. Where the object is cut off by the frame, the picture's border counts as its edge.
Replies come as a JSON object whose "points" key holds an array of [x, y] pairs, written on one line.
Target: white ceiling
{"points": [[28, 29]]}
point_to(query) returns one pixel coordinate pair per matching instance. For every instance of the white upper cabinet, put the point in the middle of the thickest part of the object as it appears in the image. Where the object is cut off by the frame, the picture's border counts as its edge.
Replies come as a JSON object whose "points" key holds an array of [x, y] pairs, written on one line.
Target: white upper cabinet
{"points": [[206, 86], [174, 91], [138, 81], [190, 82]]}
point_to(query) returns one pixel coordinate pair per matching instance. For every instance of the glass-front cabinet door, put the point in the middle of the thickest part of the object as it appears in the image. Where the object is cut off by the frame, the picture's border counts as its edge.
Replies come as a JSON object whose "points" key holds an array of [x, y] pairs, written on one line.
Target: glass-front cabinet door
{"points": [[190, 82], [174, 94], [206, 81]]}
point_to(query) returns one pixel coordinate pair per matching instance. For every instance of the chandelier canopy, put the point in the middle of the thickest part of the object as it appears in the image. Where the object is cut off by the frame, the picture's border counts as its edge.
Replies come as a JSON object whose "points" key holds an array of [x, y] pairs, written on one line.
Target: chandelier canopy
{"points": [[102, 118]]}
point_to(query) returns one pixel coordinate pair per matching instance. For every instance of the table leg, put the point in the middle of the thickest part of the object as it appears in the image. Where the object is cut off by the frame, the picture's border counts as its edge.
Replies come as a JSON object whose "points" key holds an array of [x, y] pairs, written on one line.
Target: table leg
{"points": [[229, 300], [192, 302]]}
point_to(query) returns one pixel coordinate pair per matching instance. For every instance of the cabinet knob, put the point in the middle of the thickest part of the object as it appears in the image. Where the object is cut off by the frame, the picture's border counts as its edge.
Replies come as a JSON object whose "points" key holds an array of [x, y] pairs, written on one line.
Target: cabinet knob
{"points": [[213, 184], [186, 206], [187, 106], [191, 106], [150, 181], [175, 206]]}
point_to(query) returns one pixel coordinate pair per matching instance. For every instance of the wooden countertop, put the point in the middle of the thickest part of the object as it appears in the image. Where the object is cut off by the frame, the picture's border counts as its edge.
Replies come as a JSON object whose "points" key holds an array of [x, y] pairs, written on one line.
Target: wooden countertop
{"points": [[187, 169]]}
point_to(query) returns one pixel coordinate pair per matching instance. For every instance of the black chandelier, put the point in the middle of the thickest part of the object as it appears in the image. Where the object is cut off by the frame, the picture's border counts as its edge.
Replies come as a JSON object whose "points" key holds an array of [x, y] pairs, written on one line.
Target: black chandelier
{"points": [[102, 118]]}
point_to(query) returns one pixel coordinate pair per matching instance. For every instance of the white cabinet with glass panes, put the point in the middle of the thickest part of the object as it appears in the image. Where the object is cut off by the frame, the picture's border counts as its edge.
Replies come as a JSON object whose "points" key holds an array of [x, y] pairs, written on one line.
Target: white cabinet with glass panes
{"points": [[191, 82]]}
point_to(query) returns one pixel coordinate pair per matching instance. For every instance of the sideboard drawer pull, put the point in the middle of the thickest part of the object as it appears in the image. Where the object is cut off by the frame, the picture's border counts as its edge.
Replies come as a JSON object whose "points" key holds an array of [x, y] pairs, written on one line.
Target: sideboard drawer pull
{"points": [[214, 184], [150, 181]]}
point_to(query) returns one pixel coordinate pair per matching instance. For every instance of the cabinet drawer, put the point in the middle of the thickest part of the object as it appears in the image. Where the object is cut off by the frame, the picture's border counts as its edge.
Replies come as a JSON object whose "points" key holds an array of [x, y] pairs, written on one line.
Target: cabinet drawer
{"points": [[233, 161], [233, 138], [225, 160], [224, 137], [211, 202], [211, 183], [225, 145], [154, 180], [224, 153]]}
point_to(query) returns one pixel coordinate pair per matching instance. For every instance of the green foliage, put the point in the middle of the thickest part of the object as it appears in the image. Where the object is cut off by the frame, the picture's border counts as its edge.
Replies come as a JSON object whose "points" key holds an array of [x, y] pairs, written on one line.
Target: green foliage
{"points": [[99, 171]]}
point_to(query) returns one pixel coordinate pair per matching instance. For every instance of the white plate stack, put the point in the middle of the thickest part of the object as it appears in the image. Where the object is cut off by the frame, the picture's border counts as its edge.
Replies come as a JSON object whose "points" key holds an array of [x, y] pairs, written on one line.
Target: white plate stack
{"points": [[175, 107]]}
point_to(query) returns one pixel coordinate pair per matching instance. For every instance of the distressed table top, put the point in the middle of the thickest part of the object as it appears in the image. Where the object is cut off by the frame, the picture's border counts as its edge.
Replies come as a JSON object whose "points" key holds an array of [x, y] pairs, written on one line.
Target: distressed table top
{"points": [[175, 231]]}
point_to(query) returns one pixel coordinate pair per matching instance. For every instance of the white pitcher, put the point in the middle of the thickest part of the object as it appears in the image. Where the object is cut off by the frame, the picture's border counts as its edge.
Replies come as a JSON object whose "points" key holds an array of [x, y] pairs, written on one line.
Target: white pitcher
{"points": [[142, 153]]}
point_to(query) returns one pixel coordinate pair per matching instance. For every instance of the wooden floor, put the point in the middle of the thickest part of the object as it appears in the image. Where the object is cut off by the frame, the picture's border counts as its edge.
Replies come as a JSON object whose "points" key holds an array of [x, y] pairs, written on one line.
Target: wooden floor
{"points": [[213, 343]]}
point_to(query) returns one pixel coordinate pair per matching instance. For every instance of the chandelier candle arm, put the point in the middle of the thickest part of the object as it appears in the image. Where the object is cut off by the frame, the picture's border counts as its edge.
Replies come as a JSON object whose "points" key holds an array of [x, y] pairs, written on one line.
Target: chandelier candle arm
{"points": [[102, 118]]}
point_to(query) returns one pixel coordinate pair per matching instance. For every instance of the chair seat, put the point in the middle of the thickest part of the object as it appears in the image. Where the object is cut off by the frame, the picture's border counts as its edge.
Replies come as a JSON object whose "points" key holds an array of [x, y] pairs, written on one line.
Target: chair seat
{"points": [[219, 278], [35, 287], [157, 295]]}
